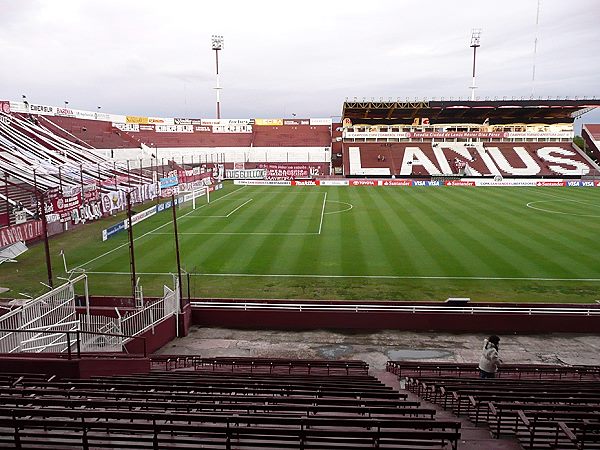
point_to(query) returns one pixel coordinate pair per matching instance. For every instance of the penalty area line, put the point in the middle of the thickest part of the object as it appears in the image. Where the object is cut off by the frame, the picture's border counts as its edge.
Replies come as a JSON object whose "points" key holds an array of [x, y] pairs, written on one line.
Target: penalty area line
{"points": [[387, 277], [322, 213], [81, 266]]}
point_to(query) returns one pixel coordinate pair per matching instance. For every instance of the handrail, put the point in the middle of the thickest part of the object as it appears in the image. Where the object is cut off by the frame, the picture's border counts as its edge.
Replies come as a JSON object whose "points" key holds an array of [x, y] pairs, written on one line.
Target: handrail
{"points": [[300, 307], [77, 333]]}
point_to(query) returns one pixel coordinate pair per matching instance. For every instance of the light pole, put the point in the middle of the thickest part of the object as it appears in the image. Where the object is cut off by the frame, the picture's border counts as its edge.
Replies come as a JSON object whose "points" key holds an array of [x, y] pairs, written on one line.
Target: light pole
{"points": [[66, 103], [475, 38], [217, 44]]}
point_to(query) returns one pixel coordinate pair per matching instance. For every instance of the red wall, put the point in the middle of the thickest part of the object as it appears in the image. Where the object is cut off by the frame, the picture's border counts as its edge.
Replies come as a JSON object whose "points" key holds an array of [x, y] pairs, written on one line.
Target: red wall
{"points": [[448, 322]]}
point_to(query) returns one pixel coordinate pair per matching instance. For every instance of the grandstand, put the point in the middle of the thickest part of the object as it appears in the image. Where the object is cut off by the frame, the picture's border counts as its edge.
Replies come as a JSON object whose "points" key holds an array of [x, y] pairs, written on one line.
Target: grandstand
{"points": [[82, 370], [500, 138]]}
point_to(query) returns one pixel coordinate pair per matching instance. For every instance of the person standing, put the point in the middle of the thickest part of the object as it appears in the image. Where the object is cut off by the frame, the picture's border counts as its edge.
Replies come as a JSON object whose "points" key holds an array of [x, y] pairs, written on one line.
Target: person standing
{"points": [[490, 359]]}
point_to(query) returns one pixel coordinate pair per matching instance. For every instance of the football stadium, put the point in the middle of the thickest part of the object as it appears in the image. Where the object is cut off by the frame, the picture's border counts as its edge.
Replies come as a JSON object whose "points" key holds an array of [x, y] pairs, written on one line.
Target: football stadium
{"points": [[301, 283]]}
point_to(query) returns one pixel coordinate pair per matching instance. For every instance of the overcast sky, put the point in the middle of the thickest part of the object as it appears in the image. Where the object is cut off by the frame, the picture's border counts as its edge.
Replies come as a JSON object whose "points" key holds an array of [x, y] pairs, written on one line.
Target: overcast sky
{"points": [[282, 57]]}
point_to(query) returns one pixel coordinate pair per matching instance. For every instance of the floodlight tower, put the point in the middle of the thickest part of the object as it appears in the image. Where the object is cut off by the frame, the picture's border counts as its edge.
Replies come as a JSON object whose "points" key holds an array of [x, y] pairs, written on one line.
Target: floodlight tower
{"points": [[217, 44], [475, 37]]}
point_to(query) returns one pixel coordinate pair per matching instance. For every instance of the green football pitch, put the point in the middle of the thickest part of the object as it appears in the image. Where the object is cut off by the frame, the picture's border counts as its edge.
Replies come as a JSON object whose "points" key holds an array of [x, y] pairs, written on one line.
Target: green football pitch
{"points": [[521, 244]]}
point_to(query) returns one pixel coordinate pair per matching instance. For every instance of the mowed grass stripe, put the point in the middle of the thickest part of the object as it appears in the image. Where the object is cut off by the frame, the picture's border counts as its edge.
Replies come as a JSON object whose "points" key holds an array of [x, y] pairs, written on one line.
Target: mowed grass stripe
{"points": [[354, 239], [429, 226], [417, 254], [283, 253], [475, 246], [560, 246], [522, 238], [239, 253], [491, 230], [392, 233], [572, 237], [307, 251]]}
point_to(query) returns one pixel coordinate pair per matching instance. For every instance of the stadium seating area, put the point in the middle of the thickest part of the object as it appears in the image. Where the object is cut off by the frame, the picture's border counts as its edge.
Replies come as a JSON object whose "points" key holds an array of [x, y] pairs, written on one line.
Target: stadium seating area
{"points": [[506, 159], [219, 403], [543, 406], [103, 135]]}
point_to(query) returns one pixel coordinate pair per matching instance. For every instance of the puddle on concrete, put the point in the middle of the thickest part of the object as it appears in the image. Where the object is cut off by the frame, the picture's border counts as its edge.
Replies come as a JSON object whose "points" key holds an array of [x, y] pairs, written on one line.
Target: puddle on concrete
{"points": [[334, 351], [395, 355]]}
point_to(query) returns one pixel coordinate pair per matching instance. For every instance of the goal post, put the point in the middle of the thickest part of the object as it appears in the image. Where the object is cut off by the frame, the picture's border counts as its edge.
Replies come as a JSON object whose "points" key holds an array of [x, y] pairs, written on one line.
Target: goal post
{"points": [[193, 195]]}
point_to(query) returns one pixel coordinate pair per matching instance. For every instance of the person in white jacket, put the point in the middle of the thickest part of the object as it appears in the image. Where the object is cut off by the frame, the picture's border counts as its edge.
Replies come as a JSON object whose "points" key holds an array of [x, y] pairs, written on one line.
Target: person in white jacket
{"points": [[490, 359]]}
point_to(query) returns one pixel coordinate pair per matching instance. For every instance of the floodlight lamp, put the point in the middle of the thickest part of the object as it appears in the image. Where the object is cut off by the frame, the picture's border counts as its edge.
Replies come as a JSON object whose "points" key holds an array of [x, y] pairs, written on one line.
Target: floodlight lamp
{"points": [[217, 42], [475, 37]]}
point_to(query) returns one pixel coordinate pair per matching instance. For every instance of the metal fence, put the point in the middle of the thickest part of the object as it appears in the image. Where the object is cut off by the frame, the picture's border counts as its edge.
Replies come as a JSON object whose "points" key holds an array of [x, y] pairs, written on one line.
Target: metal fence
{"points": [[130, 324], [53, 310], [32, 325], [444, 309]]}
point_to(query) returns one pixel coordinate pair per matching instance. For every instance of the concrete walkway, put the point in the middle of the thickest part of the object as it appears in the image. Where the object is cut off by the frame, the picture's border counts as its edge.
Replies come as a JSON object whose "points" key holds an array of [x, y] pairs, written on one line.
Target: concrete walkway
{"points": [[376, 348]]}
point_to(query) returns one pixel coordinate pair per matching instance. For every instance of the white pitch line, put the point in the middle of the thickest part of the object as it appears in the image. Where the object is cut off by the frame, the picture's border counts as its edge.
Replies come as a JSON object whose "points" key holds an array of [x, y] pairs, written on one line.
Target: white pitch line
{"points": [[258, 233], [386, 277], [342, 210], [149, 232], [530, 205], [245, 203], [322, 212], [564, 198]]}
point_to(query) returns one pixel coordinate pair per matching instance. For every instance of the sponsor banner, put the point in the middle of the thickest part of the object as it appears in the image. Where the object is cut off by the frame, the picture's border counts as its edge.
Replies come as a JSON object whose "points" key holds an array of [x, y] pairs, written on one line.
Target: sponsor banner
{"points": [[20, 233], [375, 135], [136, 218], [320, 122], [262, 182], [224, 122], [289, 171], [296, 121], [111, 231], [65, 112], [550, 183], [180, 121], [540, 135], [395, 182], [202, 129], [136, 119], [232, 128], [582, 183], [426, 183], [459, 183], [268, 122], [5, 106], [174, 128], [347, 122], [245, 174], [161, 120], [455, 134], [127, 127], [334, 182], [524, 182], [168, 182], [362, 182], [306, 183], [146, 127]]}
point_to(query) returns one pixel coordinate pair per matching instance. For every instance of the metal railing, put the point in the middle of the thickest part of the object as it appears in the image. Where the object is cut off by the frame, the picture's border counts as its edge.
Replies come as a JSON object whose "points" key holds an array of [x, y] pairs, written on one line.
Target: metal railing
{"points": [[130, 324], [71, 340], [52, 309], [300, 307]]}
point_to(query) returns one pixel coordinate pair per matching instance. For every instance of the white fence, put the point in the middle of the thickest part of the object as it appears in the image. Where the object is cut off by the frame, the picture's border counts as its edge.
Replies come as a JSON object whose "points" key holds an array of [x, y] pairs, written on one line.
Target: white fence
{"points": [[53, 310], [299, 307], [131, 324], [30, 327]]}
